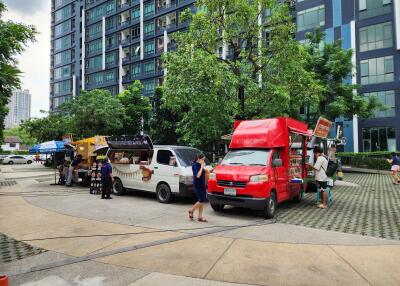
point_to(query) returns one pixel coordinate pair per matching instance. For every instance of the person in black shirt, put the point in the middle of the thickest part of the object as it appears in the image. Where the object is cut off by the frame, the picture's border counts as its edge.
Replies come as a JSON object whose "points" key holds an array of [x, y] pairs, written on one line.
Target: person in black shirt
{"points": [[199, 182], [74, 165]]}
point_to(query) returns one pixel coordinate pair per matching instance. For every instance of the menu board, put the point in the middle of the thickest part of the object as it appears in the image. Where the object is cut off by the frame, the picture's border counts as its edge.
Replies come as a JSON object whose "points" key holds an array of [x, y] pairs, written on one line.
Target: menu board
{"points": [[295, 169]]}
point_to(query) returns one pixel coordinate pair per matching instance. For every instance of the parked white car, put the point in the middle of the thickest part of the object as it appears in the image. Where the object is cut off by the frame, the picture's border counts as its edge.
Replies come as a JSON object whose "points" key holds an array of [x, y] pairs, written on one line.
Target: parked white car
{"points": [[17, 159], [164, 170]]}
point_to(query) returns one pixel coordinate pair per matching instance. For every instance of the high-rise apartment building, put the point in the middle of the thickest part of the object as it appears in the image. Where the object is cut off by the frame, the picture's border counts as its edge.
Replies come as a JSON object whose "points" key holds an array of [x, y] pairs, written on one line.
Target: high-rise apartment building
{"points": [[371, 28], [108, 44], [19, 107]]}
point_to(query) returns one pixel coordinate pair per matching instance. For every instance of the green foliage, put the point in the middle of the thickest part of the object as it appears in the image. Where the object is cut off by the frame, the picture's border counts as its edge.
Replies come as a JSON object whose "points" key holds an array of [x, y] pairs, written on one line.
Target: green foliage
{"points": [[13, 39], [258, 78], [26, 138], [164, 122], [137, 107], [94, 112], [2, 152], [370, 160], [332, 65], [51, 127]]}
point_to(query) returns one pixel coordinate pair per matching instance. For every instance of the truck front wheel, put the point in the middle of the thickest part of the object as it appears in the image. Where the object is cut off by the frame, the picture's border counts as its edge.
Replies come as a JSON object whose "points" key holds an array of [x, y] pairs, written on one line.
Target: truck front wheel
{"points": [[118, 188], [270, 209]]}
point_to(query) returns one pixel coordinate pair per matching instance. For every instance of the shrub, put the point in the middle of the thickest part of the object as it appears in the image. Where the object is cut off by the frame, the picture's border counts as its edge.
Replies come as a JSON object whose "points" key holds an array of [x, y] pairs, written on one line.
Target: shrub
{"points": [[370, 160]]}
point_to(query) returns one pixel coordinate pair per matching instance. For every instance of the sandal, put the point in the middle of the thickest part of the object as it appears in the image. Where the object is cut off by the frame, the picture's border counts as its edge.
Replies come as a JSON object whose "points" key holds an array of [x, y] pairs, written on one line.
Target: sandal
{"points": [[202, 220], [190, 214]]}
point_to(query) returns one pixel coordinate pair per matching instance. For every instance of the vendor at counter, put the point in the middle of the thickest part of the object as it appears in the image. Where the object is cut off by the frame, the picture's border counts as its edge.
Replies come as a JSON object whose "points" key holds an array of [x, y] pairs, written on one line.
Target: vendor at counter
{"points": [[76, 164]]}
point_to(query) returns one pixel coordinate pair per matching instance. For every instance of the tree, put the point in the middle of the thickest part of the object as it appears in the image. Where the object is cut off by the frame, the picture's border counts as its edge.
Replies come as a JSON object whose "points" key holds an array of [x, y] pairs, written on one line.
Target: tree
{"points": [[51, 127], [332, 67], [94, 112], [259, 77], [164, 122], [13, 39], [137, 108]]}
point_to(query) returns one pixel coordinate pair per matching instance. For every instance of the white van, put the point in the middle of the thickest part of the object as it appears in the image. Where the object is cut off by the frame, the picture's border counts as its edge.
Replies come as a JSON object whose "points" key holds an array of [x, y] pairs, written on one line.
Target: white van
{"points": [[138, 165]]}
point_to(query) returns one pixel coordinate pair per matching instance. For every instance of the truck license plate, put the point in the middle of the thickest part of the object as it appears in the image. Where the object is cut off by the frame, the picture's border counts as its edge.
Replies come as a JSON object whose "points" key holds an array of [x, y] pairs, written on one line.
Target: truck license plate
{"points": [[230, 192]]}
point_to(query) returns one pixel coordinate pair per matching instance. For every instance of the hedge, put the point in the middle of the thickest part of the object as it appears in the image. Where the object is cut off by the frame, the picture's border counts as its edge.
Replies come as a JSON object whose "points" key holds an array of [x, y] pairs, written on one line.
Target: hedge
{"points": [[370, 160], [14, 152]]}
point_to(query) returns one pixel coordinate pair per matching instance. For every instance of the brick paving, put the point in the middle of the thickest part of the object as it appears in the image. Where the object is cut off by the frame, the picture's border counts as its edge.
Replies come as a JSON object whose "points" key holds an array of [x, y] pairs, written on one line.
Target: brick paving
{"points": [[373, 209], [11, 249]]}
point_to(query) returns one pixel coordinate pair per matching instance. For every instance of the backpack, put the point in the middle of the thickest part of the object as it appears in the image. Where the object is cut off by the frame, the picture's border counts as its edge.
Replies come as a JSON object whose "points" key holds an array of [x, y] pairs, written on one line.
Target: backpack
{"points": [[331, 169]]}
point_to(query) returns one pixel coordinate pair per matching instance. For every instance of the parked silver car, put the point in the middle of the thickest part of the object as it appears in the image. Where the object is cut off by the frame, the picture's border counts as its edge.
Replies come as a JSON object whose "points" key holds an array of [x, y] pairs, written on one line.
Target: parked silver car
{"points": [[17, 159]]}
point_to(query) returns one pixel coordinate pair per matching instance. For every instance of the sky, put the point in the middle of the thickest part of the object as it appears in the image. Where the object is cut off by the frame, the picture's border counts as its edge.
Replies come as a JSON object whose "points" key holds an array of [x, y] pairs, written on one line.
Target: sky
{"points": [[34, 62]]}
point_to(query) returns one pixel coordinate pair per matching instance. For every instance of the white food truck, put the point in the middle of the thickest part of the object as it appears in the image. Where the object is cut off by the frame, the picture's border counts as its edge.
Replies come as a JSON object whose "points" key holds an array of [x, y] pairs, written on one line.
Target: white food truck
{"points": [[138, 165]]}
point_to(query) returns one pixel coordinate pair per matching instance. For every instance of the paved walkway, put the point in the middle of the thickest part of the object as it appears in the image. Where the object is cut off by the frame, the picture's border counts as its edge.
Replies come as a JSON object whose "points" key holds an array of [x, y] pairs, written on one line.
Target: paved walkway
{"points": [[107, 253]]}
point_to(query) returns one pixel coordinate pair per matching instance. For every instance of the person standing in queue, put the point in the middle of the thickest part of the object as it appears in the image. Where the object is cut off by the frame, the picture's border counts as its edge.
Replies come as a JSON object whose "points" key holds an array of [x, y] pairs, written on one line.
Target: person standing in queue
{"points": [[320, 175], [199, 182], [107, 179]]}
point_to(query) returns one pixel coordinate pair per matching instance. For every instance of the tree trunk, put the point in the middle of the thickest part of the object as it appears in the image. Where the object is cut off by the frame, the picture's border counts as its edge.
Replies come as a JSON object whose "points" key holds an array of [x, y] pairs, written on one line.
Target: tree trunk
{"points": [[241, 100]]}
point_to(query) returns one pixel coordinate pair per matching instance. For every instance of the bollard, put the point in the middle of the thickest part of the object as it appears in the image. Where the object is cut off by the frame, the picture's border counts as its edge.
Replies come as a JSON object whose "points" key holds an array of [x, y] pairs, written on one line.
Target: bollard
{"points": [[3, 280]]}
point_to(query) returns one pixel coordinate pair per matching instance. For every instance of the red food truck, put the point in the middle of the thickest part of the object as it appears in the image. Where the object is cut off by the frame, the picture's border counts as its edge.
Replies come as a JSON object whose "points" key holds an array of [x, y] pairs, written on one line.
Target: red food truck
{"points": [[265, 165]]}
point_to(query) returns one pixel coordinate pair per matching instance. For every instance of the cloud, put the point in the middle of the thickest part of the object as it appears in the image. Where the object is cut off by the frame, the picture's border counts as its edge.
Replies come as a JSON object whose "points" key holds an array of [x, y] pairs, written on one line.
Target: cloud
{"points": [[26, 6]]}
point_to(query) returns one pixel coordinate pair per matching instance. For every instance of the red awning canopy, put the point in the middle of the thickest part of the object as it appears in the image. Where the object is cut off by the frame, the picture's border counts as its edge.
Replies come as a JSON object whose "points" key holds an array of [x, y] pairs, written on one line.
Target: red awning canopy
{"points": [[266, 133]]}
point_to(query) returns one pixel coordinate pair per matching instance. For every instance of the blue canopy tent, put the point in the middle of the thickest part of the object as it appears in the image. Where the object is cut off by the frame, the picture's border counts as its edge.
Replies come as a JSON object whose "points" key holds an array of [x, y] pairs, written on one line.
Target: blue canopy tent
{"points": [[49, 147]]}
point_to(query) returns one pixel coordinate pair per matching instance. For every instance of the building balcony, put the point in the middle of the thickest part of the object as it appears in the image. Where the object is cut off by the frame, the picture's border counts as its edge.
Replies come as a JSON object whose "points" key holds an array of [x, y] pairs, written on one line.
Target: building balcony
{"points": [[124, 24], [126, 41], [166, 27], [124, 6], [126, 60], [126, 78], [166, 7]]}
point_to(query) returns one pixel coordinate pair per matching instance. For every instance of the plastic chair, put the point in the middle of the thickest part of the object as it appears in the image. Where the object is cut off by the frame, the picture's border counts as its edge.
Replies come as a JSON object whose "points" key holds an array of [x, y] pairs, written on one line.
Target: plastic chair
{"points": [[328, 189]]}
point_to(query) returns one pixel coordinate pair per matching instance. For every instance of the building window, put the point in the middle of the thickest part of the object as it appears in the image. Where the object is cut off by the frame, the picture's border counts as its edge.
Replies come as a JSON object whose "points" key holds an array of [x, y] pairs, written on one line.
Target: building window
{"points": [[62, 43], [62, 72], [95, 46], [63, 13], [149, 67], [379, 139], [110, 58], [148, 86], [149, 47], [372, 8], [59, 3], [311, 18], [135, 32], [149, 8], [387, 98], [62, 28], [135, 70], [376, 37], [110, 6], [377, 70], [109, 76], [63, 57], [149, 28], [135, 51], [135, 13], [94, 63], [110, 41], [95, 29], [110, 23]]}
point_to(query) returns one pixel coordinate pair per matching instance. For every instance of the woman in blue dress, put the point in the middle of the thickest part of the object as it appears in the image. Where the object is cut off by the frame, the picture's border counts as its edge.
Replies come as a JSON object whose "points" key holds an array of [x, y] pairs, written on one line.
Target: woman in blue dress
{"points": [[199, 182]]}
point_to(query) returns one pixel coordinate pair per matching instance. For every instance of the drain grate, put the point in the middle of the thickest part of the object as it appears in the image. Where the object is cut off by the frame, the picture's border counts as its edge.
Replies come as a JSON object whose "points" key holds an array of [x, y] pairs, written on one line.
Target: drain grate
{"points": [[7, 183], [11, 249]]}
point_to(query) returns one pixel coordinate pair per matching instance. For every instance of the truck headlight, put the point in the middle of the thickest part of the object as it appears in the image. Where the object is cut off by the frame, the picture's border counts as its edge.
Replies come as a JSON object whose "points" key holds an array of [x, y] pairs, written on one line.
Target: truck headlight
{"points": [[212, 176], [259, 178], [187, 180]]}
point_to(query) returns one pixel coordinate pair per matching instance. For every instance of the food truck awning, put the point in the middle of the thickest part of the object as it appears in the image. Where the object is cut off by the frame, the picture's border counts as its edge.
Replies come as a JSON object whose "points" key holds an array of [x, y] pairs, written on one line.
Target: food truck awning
{"points": [[266, 133]]}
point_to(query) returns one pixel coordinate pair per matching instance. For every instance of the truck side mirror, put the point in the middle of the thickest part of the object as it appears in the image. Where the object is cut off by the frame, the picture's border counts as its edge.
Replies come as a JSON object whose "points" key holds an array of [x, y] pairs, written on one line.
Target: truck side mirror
{"points": [[277, 163]]}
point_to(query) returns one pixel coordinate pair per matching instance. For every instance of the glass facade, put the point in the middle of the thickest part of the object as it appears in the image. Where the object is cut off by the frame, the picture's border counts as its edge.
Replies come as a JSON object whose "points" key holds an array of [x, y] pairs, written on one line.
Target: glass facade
{"points": [[375, 37], [377, 70], [379, 139], [387, 98], [373, 8], [311, 18]]}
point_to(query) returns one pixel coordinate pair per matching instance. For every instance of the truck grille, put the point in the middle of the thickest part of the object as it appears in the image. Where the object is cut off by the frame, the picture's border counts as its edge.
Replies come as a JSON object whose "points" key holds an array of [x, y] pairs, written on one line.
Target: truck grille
{"points": [[234, 184]]}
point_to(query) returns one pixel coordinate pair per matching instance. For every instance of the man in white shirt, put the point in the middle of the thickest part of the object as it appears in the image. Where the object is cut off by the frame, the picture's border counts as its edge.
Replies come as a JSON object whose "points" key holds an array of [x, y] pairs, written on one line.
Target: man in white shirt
{"points": [[320, 175]]}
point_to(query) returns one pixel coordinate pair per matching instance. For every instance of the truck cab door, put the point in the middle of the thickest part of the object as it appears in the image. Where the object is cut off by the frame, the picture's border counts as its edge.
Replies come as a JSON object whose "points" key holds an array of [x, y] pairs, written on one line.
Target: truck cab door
{"points": [[164, 171], [280, 174]]}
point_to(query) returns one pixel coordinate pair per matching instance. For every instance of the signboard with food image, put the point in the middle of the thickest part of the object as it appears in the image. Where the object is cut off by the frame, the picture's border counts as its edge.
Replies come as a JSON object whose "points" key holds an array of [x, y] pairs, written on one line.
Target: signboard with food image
{"points": [[322, 128]]}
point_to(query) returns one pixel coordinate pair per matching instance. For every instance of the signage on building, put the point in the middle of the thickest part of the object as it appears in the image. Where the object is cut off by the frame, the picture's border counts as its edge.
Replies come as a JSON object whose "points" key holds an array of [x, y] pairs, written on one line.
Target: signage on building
{"points": [[322, 128]]}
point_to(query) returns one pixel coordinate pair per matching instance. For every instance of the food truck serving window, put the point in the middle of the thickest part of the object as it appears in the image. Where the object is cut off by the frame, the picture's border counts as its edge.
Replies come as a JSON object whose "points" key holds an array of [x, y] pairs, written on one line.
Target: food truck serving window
{"points": [[247, 157]]}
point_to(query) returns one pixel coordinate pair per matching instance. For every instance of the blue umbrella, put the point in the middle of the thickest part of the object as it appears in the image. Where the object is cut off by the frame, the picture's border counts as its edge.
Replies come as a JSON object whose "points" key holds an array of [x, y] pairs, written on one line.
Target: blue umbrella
{"points": [[48, 147]]}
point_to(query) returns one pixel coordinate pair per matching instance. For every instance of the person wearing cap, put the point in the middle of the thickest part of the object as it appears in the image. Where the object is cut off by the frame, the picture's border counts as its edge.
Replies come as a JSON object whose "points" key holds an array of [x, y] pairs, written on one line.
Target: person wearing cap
{"points": [[320, 167]]}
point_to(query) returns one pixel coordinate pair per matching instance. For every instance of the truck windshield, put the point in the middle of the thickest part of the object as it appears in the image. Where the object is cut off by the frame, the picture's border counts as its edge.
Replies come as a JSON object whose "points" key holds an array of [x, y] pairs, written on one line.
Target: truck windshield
{"points": [[186, 156], [246, 158]]}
